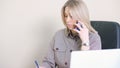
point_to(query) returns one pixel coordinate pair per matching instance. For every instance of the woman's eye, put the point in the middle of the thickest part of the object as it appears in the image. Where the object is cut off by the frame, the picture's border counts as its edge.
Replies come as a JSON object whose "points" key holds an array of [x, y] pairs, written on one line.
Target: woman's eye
{"points": [[66, 16]]}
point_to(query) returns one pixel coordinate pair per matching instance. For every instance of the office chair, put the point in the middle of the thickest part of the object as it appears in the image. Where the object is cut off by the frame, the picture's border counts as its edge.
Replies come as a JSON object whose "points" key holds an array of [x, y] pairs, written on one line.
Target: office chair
{"points": [[109, 33]]}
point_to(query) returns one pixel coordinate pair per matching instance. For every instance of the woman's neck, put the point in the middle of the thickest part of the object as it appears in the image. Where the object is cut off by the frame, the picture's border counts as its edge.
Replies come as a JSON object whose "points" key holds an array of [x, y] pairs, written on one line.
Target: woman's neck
{"points": [[73, 32]]}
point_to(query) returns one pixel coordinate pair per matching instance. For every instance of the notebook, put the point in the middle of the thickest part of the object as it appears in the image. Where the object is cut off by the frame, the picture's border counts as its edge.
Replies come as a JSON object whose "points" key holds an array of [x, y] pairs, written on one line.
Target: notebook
{"points": [[109, 58]]}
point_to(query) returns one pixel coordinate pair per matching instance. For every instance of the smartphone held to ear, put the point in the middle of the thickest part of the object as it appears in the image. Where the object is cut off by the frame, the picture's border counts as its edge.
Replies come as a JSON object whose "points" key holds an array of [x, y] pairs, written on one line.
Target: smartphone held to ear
{"points": [[77, 27]]}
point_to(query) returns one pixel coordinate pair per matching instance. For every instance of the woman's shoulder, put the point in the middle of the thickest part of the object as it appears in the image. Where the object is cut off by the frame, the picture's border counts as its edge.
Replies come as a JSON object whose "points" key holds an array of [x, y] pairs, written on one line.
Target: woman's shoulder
{"points": [[60, 32], [94, 35]]}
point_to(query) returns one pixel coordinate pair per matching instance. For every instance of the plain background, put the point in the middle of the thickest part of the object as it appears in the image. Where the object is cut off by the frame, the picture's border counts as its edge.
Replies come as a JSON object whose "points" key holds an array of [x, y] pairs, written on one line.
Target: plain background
{"points": [[27, 26]]}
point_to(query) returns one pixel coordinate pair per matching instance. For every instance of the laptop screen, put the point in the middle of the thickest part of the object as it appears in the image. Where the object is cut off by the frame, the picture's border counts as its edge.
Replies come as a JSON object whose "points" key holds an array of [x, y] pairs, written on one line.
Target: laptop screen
{"points": [[109, 58]]}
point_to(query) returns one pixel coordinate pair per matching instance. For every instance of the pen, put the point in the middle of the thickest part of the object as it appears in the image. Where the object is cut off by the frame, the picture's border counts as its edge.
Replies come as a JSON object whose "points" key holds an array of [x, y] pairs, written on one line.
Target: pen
{"points": [[36, 63]]}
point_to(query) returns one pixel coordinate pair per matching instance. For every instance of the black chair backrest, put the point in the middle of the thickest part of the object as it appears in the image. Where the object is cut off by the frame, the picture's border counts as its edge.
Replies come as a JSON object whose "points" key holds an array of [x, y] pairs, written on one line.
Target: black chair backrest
{"points": [[109, 33]]}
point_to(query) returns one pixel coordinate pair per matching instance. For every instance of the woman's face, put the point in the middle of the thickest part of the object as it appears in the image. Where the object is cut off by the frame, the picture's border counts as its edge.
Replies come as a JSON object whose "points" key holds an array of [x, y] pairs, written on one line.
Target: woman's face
{"points": [[69, 20]]}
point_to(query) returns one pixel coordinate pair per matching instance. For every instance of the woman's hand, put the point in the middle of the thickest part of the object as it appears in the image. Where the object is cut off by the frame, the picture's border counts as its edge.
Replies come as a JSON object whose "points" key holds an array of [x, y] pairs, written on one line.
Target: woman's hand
{"points": [[83, 33]]}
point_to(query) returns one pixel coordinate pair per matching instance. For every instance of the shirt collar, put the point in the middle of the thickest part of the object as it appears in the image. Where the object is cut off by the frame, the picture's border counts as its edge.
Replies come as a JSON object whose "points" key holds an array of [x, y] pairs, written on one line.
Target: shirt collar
{"points": [[69, 34]]}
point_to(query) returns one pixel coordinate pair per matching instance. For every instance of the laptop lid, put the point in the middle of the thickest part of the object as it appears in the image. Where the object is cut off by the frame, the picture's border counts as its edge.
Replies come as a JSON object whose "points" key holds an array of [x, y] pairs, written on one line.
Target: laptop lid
{"points": [[109, 58]]}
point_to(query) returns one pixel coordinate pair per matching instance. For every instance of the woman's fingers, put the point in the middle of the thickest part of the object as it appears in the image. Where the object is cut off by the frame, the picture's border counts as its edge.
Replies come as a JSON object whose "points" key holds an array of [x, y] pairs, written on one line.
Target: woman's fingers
{"points": [[76, 30], [82, 24], [78, 26]]}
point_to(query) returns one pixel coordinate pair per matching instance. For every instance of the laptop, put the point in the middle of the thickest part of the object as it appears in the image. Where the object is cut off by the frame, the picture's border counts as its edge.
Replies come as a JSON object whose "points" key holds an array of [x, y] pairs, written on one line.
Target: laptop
{"points": [[108, 58]]}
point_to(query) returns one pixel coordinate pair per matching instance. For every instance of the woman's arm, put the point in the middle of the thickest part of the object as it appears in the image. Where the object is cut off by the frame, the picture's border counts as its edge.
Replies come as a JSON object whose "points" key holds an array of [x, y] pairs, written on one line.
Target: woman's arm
{"points": [[95, 42], [48, 61]]}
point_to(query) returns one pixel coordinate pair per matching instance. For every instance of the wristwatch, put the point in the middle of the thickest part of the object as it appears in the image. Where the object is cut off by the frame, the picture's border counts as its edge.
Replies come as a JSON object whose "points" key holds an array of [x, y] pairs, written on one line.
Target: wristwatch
{"points": [[85, 44]]}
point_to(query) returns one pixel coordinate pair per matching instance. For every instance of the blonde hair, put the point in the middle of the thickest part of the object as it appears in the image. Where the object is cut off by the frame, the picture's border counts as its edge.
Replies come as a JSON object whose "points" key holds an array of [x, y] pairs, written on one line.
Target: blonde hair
{"points": [[78, 11]]}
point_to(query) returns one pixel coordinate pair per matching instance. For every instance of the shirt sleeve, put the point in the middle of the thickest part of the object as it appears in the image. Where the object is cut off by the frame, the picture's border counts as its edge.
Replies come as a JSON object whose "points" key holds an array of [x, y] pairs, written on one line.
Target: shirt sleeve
{"points": [[48, 61], [95, 42]]}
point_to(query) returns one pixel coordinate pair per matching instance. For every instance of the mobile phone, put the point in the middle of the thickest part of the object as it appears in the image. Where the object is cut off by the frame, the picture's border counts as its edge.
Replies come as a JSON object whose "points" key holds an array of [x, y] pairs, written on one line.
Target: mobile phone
{"points": [[77, 27]]}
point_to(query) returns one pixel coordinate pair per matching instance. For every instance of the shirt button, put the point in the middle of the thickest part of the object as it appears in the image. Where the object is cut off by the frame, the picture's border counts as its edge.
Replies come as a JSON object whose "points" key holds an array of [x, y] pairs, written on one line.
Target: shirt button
{"points": [[57, 48], [70, 50], [65, 63]]}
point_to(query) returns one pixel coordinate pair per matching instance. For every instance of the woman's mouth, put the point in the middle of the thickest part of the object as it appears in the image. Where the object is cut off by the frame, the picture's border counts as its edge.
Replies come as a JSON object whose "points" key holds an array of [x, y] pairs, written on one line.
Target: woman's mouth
{"points": [[70, 26]]}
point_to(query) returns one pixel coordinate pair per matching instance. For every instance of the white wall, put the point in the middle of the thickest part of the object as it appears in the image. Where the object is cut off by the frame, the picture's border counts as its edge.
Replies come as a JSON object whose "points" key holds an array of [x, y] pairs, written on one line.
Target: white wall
{"points": [[104, 10], [26, 27]]}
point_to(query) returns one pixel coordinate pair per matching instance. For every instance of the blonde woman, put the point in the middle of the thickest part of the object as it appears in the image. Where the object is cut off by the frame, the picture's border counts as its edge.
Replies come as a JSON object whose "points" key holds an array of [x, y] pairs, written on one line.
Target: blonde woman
{"points": [[78, 35]]}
